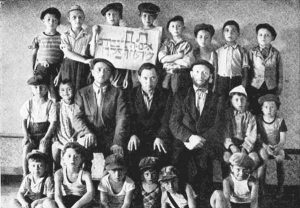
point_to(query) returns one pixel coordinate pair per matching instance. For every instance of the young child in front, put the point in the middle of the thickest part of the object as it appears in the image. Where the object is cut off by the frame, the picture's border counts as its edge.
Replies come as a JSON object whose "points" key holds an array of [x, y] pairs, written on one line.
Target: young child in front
{"points": [[175, 193], [38, 120], [113, 14], [233, 63], [47, 55], [240, 127], [271, 130], [148, 193], [203, 35], [73, 185], [176, 55], [37, 188], [74, 43], [116, 188], [266, 67], [65, 131], [240, 188]]}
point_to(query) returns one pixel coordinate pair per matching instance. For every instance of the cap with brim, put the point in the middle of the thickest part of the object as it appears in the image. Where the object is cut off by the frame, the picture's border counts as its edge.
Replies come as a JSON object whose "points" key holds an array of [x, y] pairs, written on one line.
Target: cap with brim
{"points": [[269, 97], [37, 154], [37, 80], [206, 27], [115, 6], [149, 8], [148, 163], [242, 160], [268, 27], [114, 161], [239, 89], [75, 8], [175, 19], [167, 173], [205, 63]]}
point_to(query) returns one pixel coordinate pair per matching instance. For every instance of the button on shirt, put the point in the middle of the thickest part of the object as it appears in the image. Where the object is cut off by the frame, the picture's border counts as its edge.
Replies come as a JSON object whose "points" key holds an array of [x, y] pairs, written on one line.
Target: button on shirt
{"points": [[200, 97], [231, 60]]}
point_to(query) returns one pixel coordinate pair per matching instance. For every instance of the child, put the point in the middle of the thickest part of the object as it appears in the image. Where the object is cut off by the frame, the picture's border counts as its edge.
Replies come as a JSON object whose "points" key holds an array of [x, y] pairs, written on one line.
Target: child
{"points": [[39, 119], [272, 131], [74, 44], [148, 193], [203, 35], [73, 185], [232, 63], [65, 131], [116, 189], [113, 14], [266, 67], [47, 55], [240, 131], [176, 55], [148, 14], [175, 193], [37, 188], [240, 189]]}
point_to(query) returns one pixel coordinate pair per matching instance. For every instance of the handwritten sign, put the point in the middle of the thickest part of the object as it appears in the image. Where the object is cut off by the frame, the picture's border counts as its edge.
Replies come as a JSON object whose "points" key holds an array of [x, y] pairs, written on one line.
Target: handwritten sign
{"points": [[128, 48]]}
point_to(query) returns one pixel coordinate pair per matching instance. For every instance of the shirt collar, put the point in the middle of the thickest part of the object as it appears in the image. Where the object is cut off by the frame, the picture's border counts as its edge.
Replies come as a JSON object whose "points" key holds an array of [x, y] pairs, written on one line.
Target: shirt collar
{"points": [[233, 46], [82, 33], [149, 96], [235, 112], [97, 88], [203, 89]]}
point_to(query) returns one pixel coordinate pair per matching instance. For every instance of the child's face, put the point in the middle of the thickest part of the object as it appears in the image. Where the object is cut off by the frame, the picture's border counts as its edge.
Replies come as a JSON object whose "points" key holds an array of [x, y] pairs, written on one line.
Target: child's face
{"points": [[230, 33], [239, 102], [37, 168], [39, 90], [264, 37], [240, 173], [147, 19], [112, 17], [200, 75], [76, 19], [50, 22], [101, 73], [269, 109], [150, 176], [171, 186], [66, 92], [203, 38], [176, 28], [117, 175], [72, 158]]}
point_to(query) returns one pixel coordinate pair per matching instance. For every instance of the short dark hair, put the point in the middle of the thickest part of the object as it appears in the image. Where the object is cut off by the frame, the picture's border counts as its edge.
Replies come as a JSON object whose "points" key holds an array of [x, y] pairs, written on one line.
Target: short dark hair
{"points": [[66, 81], [52, 10], [37, 158], [77, 148], [175, 19], [108, 63], [147, 66], [231, 22]]}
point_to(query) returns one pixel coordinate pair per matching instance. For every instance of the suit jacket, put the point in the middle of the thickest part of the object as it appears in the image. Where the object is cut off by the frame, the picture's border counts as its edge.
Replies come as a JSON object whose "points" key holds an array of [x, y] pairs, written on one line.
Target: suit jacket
{"points": [[185, 119], [113, 128], [148, 125]]}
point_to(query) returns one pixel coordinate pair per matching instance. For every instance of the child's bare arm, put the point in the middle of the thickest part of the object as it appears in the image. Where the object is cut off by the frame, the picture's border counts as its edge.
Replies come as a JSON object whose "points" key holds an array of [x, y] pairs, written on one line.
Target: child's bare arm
{"points": [[49, 133], [190, 197], [76, 57], [58, 178], [254, 194], [226, 190], [25, 132], [88, 196], [128, 199], [34, 54], [171, 58], [21, 199], [163, 200], [103, 199], [95, 32]]}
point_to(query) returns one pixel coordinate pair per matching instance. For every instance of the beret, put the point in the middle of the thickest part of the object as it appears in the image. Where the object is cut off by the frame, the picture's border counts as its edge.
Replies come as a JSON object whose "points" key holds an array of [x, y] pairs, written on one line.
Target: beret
{"points": [[238, 89], [269, 97], [149, 8], [206, 27], [268, 27], [115, 6], [114, 161], [167, 173], [148, 162], [37, 80]]}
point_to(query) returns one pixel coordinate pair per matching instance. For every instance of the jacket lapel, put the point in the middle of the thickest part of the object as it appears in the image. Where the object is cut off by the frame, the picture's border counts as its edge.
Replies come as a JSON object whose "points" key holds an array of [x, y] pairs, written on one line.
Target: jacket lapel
{"points": [[191, 103], [140, 104], [91, 100]]}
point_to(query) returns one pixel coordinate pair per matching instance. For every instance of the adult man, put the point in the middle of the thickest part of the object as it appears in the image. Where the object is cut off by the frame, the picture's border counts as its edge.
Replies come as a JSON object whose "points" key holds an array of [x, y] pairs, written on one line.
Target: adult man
{"points": [[150, 110], [102, 114], [194, 124]]}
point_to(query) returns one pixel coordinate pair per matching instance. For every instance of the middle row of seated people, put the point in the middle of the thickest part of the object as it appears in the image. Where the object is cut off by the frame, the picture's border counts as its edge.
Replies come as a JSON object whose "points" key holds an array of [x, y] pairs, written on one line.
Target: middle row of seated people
{"points": [[102, 119]]}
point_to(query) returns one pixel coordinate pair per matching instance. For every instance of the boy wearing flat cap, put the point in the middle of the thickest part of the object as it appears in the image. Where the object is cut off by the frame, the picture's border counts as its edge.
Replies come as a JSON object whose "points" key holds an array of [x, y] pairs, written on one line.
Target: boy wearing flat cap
{"points": [[266, 67], [203, 35], [271, 131], [148, 14]]}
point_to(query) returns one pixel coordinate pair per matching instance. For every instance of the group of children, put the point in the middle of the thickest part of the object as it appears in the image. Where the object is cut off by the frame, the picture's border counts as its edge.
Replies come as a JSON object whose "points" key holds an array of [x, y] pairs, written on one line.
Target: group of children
{"points": [[63, 61]]}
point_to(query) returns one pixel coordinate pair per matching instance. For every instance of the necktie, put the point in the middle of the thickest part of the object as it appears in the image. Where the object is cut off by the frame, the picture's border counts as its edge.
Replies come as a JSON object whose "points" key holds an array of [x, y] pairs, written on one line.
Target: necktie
{"points": [[99, 96], [265, 52], [200, 100]]}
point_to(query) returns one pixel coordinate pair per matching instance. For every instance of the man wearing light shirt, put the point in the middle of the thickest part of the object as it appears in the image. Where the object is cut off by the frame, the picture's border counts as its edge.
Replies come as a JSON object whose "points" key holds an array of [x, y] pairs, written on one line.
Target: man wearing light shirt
{"points": [[195, 125]]}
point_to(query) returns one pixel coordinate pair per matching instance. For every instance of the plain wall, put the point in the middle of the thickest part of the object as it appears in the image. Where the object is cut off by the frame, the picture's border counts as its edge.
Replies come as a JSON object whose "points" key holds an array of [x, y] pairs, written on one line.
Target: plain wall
{"points": [[19, 23]]}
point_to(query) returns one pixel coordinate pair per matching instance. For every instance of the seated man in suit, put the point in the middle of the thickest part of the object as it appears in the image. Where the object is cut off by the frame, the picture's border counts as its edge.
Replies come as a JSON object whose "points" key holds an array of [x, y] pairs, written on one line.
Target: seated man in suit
{"points": [[195, 125], [150, 110], [102, 113]]}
